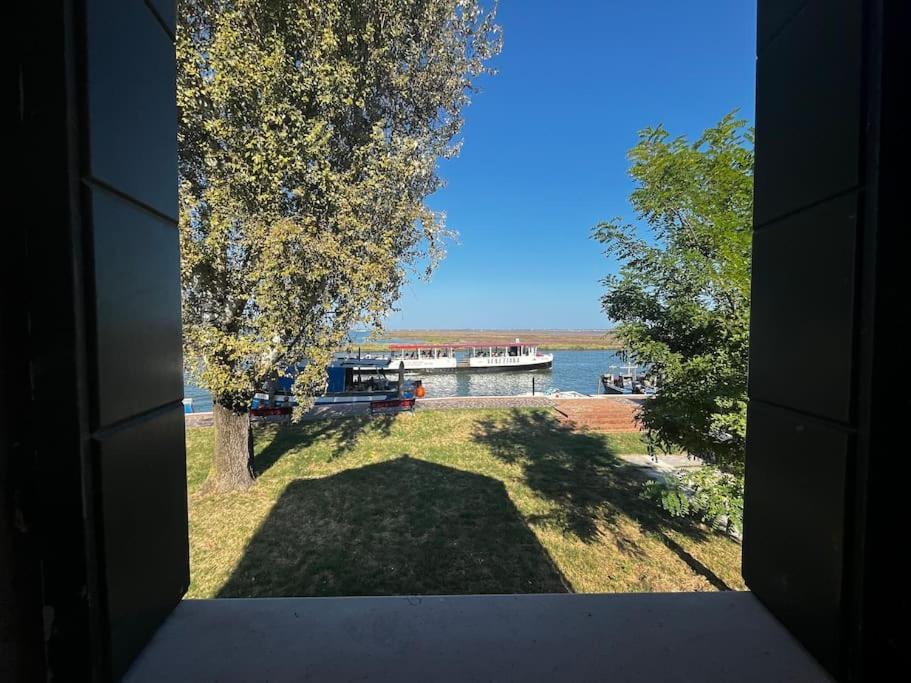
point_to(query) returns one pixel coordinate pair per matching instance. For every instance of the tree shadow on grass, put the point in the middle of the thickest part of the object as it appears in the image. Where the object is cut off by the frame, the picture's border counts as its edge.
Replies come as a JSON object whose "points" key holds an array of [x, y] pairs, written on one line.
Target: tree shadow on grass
{"points": [[343, 432], [590, 487], [404, 526]]}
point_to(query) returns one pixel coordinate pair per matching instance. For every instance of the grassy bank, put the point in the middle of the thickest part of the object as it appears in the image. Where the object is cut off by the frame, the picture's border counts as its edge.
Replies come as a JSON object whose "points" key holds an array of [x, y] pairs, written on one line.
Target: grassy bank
{"points": [[555, 340], [462, 501]]}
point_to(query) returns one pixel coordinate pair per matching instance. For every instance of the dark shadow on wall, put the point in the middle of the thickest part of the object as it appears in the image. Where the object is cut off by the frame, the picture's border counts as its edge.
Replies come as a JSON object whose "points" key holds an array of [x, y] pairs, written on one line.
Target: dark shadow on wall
{"points": [[590, 486], [400, 527]]}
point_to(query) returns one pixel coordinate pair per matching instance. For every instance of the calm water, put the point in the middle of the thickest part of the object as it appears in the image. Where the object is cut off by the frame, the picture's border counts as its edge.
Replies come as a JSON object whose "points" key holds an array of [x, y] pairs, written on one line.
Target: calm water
{"points": [[573, 371]]}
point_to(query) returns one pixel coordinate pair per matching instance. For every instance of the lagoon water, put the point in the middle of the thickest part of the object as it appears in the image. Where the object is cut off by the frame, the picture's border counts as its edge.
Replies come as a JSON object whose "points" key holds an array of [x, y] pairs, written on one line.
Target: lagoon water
{"points": [[573, 371]]}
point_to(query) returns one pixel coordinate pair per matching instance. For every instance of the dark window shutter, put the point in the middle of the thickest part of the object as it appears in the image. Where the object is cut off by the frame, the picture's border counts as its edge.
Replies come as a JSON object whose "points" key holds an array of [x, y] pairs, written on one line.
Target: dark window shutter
{"points": [[827, 369], [108, 516]]}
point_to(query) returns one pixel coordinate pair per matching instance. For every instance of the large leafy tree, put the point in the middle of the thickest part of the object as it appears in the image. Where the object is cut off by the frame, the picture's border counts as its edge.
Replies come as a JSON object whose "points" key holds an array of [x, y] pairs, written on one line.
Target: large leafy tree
{"points": [[682, 295], [309, 136]]}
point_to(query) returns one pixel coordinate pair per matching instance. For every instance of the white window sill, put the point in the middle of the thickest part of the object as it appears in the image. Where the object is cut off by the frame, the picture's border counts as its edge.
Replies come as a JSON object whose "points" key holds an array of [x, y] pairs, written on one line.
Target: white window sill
{"points": [[640, 637]]}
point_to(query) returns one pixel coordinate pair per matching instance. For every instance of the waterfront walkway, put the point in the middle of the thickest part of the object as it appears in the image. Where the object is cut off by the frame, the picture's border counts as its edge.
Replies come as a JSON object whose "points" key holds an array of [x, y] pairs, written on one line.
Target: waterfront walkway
{"points": [[459, 402], [603, 414]]}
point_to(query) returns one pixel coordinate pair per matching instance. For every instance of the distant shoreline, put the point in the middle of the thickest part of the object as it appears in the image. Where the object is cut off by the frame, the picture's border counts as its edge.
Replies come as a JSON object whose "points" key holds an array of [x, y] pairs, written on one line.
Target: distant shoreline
{"points": [[556, 340]]}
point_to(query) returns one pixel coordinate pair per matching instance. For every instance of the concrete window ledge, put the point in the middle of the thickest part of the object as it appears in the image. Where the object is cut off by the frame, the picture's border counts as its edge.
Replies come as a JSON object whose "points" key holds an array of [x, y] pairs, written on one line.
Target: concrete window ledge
{"points": [[642, 637]]}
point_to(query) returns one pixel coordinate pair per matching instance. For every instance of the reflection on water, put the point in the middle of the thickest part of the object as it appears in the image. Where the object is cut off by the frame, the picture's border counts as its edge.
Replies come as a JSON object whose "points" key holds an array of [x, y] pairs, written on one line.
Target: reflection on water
{"points": [[573, 371], [485, 383]]}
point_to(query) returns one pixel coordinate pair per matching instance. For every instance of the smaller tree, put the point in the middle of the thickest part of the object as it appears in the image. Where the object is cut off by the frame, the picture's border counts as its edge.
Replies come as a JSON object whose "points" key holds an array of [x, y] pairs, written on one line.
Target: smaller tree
{"points": [[681, 298]]}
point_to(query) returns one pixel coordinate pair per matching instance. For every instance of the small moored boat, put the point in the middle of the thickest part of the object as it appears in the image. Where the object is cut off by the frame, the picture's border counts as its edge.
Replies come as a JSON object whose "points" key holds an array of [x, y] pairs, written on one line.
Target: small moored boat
{"points": [[631, 381]]}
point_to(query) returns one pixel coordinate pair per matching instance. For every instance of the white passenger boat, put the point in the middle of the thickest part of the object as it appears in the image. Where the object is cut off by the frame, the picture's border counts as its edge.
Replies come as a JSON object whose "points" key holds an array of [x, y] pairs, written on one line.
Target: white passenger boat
{"points": [[474, 357]]}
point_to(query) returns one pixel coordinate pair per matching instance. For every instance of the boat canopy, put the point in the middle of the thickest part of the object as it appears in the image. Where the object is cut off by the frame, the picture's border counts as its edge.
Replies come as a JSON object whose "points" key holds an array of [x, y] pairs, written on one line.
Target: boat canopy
{"points": [[473, 345], [355, 362]]}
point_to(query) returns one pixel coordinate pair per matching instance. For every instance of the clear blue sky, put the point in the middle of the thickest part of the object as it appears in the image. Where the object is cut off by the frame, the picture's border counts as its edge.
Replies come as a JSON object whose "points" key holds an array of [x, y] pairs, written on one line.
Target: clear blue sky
{"points": [[545, 142]]}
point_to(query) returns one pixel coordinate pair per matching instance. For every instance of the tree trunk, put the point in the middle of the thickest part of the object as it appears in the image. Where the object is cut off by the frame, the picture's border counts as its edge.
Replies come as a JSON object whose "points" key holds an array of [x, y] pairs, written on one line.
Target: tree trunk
{"points": [[232, 465]]}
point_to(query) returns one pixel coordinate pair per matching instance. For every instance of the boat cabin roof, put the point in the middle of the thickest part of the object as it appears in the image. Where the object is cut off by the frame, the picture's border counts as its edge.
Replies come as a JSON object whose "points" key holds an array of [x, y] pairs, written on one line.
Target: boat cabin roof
{"points": [[473, 345], [353, 362]]}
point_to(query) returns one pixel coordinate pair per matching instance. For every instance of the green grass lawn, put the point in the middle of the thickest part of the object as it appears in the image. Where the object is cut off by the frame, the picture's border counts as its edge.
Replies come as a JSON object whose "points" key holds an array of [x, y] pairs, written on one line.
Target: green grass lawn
{"points": [[442, 502]]}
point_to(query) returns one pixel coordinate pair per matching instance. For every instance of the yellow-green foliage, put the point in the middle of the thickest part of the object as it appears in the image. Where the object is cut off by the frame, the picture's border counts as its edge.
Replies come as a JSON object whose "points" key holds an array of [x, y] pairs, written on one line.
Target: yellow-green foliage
{"points": [[309, 136]]}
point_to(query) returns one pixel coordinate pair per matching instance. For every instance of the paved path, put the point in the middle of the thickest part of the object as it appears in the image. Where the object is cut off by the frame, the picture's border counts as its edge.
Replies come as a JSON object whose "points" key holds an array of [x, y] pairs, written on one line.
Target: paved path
{"points": [[605, 414], [322, 412], [664, 465], [484, 402]]}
